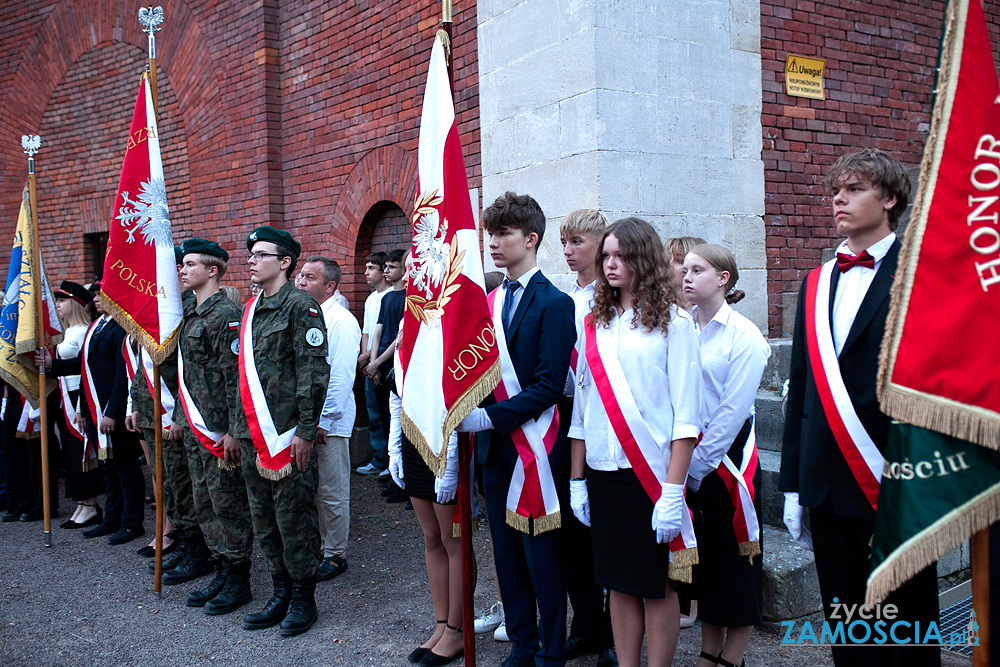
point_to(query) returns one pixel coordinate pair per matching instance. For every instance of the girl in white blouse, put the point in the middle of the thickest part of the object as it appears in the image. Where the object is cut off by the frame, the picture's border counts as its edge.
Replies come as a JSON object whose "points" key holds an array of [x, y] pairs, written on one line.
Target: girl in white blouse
{"points": [[656, 361], [728, 577]]}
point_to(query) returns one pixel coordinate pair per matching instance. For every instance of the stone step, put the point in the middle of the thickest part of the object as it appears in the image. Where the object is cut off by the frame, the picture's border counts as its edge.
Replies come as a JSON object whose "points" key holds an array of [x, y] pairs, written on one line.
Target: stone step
{"points": [[776, 371], [769, 422], [772, 501], [791, 589]]}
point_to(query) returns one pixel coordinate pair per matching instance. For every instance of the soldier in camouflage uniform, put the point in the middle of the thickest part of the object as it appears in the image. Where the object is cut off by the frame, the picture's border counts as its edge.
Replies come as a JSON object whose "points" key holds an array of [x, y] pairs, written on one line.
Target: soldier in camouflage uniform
{"points": [[208, 343], [289, 348]]}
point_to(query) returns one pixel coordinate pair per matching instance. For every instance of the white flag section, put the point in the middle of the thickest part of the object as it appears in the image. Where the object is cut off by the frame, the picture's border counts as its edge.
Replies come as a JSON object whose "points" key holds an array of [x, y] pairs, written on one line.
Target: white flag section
{"points": [[448, 352]]}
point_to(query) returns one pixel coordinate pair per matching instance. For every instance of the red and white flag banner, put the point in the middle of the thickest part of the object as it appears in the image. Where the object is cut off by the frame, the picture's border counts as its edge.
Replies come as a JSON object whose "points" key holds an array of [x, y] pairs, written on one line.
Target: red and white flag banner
{"points": [[139, 286], [449, 353], [938, 361]]}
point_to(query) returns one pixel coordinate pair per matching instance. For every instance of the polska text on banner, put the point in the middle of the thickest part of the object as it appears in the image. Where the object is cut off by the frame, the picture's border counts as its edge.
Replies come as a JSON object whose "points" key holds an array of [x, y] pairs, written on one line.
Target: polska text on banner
{"points": [[139, 286]]}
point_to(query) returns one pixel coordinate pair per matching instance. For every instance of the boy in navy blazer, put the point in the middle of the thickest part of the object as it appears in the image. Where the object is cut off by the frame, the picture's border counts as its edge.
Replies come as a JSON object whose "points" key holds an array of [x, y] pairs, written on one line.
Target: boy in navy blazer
{"points": [[540, 334]]}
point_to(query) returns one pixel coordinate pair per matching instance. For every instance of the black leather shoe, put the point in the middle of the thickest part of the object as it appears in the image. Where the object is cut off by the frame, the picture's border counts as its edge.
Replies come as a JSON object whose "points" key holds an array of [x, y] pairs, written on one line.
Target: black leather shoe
{"points": [[577, 646], [126, 535], [609, 658], [100, 530], [275, 609], [10, 516], [302, 611], [234, 594], [30, 516], [70, 524], [199, 598], [511, 661], [331, 567], [195, 564], [433, 659]]}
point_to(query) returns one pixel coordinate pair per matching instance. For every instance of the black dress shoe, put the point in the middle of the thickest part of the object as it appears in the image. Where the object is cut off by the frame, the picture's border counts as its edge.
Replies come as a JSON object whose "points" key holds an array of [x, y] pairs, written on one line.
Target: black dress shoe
{"points": [[94, 520], [126, 535], [148, 551], [30, 516], [70, 524], [511, 661], [10, 516], [417, 654], [577, 646], [609, 658], [100, 530]]}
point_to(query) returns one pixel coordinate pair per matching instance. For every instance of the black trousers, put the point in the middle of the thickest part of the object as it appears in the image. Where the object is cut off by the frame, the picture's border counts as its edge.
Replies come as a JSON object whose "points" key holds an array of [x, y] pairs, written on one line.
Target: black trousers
{"points": [[842, 546], [123, 480], [23, 465]]}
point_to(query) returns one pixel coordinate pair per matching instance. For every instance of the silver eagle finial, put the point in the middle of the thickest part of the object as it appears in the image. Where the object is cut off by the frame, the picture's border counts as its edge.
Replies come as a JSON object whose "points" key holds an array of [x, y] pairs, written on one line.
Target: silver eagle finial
{"points": [[30, 143], [150, 19]]}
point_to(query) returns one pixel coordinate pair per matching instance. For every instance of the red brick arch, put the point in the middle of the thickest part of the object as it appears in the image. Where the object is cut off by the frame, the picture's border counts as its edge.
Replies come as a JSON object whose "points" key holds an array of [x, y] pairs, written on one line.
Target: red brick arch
{"points": [[385, 174]]}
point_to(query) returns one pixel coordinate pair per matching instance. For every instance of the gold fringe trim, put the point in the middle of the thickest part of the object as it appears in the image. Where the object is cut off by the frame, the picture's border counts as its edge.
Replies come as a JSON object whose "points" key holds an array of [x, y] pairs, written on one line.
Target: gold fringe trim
{"points": [[958, 420], [536, 526], [274, 475], [518, 522], [682, 573], [225, 466], [681, 564], [105, 454], [472, 397], [933, 542], [29, 392], [89, 465], [34, 435], [750, 549], [157, 352], [456, 528]]}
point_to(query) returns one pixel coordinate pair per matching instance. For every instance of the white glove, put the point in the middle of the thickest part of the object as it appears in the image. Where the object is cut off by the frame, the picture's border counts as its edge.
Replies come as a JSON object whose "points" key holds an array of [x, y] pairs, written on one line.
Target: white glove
{"points": [[667, 512], [693, 484], [476, 421], [395, 441], [579, 501], [793, 521], [446, 485]]}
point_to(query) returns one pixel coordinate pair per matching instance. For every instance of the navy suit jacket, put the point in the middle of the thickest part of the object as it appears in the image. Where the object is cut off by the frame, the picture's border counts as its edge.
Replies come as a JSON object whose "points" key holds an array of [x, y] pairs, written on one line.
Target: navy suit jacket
{"points": [[107, 367], [540, 339], [811, 461]]}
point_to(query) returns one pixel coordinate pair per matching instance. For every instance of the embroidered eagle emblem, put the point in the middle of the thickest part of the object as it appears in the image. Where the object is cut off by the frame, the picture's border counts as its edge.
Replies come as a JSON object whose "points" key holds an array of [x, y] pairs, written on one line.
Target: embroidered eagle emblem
{"points": [[435, 262], [148, 214]]}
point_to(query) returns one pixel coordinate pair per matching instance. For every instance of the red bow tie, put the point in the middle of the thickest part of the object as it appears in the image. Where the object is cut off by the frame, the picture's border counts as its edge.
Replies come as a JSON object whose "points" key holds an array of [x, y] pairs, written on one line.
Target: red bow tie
{"points": [[845, 261]]}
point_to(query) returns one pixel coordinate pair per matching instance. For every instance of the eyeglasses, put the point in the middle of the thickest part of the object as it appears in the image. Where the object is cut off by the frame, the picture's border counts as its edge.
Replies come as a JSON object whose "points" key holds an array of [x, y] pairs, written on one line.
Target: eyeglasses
{"points": [[257, 256]]}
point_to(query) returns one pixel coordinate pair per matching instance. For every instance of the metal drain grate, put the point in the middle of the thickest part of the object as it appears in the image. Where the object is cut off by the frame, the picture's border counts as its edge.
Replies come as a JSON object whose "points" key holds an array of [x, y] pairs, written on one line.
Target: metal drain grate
{"points": [[955, 618]]}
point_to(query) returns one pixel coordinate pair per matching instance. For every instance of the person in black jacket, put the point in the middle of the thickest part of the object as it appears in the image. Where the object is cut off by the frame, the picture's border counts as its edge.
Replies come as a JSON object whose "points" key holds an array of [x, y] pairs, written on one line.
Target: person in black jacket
{"points": [[841, 319], [123, 479]]}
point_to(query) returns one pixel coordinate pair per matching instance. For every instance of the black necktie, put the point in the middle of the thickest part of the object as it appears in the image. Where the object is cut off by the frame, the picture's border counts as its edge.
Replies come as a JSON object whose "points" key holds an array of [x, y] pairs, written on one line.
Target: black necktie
{"points": [[510, 289]]}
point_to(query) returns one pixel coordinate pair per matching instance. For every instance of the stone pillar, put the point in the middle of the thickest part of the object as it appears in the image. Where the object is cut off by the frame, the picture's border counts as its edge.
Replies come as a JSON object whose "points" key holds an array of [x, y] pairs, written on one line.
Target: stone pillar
{"points": [[648, 108]]}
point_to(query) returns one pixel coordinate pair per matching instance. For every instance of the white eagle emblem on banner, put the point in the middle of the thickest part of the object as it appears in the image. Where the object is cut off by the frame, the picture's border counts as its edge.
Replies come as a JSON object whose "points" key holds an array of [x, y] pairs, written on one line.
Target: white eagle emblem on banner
{"points": [[147, 214], [434, 260]]}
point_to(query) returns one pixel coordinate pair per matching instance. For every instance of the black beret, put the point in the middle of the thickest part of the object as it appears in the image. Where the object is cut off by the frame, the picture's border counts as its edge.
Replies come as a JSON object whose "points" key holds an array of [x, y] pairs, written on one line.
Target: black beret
{"points": [[75, 291], [179, 253], [203, 247], [272, 235]]}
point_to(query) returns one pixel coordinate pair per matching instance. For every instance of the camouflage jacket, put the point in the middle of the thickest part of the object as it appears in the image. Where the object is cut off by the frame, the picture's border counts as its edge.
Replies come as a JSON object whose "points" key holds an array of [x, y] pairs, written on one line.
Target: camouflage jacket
{"points": [[209, 341], [142, 399], [289, 346]]}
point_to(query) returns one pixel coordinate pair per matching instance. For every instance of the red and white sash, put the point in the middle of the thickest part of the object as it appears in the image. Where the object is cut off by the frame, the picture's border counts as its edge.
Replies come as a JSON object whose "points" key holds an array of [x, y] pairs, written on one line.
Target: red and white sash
{"points": [[532, 501], [166, 398], [90, 393], [27, 423], [207, 437], [739, 483], [69, 415], [860, 452], [274, 454], [643, 452]]}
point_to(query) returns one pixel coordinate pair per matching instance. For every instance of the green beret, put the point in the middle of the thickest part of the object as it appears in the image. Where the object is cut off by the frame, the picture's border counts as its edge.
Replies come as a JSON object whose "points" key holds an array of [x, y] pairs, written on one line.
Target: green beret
{"points": [[179, 253], [203, 247], [272, 235]]}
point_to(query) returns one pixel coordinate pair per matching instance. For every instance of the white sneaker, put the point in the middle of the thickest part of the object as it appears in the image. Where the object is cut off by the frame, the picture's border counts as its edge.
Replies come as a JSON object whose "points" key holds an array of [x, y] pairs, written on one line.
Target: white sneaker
{"points": [[491, 619], [368, 469], [500, 634]]}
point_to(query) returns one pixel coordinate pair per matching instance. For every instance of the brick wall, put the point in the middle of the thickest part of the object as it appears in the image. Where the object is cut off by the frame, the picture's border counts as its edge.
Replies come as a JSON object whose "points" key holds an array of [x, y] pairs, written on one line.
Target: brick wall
{"points": [[880, 59], [299, 114]]}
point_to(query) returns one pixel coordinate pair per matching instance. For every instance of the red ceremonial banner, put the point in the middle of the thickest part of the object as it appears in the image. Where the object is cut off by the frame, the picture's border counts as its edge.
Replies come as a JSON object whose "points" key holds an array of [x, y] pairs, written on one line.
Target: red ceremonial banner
{"points": [[139, 286], [939, 356]]}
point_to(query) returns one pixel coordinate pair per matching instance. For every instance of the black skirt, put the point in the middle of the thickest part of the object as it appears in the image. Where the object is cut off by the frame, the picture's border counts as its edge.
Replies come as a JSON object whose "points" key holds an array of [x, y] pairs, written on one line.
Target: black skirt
{"points": [[417, 476], [729, 589], [627, 557], [80, 484]]}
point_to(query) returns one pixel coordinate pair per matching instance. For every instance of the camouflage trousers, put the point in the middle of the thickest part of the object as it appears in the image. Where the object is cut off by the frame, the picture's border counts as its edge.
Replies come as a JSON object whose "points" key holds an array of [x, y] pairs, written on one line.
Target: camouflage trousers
{"points": [[220, 504], [178, 498], [284, 516]]}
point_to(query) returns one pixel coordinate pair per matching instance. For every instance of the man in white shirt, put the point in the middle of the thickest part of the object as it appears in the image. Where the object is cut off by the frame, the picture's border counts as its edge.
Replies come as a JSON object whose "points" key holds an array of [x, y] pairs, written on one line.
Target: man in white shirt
{"points": [[378, 433], [870, 191], [319, 278]]}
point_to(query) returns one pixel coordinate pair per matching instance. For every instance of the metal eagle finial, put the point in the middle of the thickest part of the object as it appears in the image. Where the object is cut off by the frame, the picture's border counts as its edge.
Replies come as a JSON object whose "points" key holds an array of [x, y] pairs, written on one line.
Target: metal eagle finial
{"points": [[150, 19], [30, 143]]}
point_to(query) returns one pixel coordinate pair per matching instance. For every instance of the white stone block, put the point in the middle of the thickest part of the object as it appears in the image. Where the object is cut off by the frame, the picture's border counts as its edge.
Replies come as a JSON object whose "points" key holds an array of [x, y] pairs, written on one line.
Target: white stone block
{"points": [[522, 140], [580, 129], [747, 142], [744, 23], [503, 39], [754, 305]]}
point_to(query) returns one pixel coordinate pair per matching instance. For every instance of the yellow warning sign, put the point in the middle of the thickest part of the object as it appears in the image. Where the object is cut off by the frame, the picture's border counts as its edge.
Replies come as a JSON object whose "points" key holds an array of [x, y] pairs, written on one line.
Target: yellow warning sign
{"points": [[804, 77]]}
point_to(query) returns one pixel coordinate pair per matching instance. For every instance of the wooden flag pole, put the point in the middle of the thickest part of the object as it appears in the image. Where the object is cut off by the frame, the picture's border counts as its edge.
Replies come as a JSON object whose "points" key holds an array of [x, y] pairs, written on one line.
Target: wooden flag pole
{"points": [[150, 18], [31, 145], [981, 596], [464, 449]]}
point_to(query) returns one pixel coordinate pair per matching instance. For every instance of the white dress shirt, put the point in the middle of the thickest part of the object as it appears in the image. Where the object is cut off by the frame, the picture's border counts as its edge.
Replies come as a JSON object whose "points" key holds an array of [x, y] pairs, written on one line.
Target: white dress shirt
{"points": [[583, 300], [341, 299], [664, 374], [852, 287], [373, 305], [733, 356], [343, 338], [70, 347], [516, 298]]}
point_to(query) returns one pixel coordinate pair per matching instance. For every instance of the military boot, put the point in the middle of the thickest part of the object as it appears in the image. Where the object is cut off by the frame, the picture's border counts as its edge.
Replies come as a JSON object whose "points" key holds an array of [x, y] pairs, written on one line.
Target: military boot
{"points": [[276, 608], [195, 564], [234, 594], [173, 560], [302, 611], [199, 598]]}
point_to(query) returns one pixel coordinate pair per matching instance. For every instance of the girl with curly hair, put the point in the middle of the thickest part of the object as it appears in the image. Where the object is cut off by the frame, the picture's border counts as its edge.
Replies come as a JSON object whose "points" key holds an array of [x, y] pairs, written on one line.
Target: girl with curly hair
{"points": [[635, 421]]}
